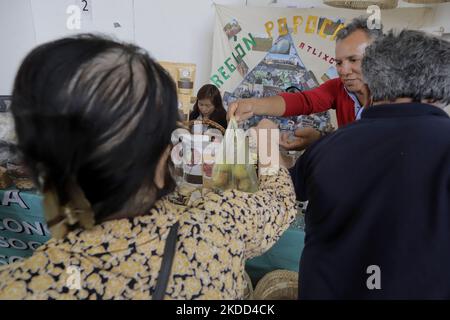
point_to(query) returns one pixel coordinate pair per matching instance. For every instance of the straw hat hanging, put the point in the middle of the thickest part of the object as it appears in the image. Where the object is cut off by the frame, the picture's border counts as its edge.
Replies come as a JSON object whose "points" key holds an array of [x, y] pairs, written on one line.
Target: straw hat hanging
{"points": [[277, 285], [426, 1], [248, 293], [362, 4]]}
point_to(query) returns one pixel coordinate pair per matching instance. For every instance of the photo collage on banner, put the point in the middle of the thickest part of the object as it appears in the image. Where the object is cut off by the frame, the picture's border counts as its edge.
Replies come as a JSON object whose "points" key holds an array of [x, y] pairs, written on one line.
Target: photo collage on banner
{"points": [[280, 70], [261, 52]]}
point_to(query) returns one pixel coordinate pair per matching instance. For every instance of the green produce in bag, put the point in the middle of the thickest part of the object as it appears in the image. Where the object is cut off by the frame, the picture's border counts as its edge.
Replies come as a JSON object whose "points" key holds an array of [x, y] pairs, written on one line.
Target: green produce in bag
{"points": [[233, 168], [222, 177]]}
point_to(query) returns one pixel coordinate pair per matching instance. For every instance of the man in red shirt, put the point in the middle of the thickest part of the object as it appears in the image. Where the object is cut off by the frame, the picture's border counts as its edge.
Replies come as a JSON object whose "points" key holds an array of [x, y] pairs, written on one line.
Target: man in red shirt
{"points": [[348, 94]]}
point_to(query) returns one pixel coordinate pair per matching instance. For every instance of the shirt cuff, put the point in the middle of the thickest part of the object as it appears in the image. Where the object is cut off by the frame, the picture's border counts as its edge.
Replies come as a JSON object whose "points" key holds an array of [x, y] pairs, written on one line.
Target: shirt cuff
{"points": [[290, 101]]}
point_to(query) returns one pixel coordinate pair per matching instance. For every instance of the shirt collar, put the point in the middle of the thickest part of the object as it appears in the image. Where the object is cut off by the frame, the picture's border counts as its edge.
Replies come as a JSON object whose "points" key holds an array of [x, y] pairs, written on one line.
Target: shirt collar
{"points": [[358, 107], [412, 109]]}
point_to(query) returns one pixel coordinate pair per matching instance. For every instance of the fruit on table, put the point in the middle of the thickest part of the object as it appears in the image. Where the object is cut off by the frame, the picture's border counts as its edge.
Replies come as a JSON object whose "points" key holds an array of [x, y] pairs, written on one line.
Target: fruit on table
{"points": [[226, 176], [244, 185], [221, 179], [240, 171], [220, 167]]}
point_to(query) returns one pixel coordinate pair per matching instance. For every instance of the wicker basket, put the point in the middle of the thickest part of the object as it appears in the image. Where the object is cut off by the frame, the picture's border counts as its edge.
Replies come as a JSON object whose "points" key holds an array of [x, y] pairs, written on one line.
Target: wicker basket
{"points": [[362, 4], [426, 1], [248, 293], [277, 285], [207, 122], [195, 177]]}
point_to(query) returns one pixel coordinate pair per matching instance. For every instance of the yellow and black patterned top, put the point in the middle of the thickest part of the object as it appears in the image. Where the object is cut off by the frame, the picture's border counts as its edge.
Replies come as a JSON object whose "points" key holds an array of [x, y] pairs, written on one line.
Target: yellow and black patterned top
{"points": [[120, 259]]}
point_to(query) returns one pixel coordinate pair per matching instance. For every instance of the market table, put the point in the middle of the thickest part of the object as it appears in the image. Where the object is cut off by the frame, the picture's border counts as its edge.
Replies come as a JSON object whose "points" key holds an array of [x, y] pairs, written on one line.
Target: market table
{"points": [[23, 229]]}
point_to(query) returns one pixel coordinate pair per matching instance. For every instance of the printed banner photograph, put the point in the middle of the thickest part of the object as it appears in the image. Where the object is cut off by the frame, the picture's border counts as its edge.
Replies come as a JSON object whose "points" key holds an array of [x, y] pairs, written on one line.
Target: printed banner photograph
{"points": [[260, 52]]}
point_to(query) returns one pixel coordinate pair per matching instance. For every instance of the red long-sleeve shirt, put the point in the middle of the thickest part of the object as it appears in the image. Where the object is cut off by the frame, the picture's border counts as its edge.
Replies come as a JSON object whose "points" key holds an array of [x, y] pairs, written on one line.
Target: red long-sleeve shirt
{"points": [[329, 95]]}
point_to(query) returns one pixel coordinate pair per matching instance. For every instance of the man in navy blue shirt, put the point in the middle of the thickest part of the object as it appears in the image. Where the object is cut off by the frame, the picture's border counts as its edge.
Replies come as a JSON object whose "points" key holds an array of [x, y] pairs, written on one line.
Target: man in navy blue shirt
{"points": [[378, 220]]}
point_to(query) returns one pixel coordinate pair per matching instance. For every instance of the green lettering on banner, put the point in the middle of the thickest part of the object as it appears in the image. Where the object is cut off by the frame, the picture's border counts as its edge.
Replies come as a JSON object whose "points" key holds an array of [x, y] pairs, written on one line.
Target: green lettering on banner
{"points": [[215, 79], [231, 67], [222, 72], [251, 41], [237, 59], [238, 55], [242, 52]]}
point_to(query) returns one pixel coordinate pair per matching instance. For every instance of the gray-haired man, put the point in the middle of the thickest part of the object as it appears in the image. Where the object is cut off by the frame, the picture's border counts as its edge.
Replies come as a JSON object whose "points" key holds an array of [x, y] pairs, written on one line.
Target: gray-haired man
{"points": [[348, 94], [378, 220]]}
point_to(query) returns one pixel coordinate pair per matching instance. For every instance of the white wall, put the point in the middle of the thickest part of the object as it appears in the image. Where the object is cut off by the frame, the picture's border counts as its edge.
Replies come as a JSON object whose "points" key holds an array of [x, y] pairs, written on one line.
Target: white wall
{"points": [[27, 23], [16, 39], [50, 18], [171, 30], [179, 31]]}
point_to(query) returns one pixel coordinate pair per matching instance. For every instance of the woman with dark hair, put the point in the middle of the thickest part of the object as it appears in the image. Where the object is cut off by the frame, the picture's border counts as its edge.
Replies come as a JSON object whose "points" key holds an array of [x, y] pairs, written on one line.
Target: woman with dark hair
{"points": [[94, 120], [209, 106]]}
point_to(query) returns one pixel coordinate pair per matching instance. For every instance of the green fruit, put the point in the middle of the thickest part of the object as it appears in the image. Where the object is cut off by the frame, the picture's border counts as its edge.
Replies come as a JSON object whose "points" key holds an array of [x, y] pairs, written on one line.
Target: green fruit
{"points": [[220, 179], [244, 185], [240, 171], [222, 168]]}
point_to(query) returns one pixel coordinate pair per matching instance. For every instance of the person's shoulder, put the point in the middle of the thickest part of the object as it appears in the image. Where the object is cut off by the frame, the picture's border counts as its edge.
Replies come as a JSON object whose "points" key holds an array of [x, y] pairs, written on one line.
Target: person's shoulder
{"points": [[338, 136], [437, 127], [334, 86], [442, 117], [335, 83]]}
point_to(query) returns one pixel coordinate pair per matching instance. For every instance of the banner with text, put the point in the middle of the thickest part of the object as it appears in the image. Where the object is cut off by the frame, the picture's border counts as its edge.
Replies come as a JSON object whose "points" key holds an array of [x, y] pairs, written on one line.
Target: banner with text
{"points": [[261, 51]]}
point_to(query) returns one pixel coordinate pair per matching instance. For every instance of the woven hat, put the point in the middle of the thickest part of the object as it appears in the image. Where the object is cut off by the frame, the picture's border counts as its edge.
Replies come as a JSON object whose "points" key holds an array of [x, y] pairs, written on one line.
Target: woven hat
{"points": [[248, 293], [426, 1], [362, 4], [207, 122], [277, 285]]}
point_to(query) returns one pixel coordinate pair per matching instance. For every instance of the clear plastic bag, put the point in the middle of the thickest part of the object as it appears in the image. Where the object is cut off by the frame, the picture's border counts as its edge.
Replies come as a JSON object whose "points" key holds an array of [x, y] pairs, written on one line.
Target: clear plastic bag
{"points": [[232, 170]]}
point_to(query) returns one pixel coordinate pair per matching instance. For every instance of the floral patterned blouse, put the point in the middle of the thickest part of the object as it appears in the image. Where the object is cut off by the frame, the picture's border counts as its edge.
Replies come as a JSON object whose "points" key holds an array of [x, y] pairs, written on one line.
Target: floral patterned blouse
{"points": [[120, 259]]}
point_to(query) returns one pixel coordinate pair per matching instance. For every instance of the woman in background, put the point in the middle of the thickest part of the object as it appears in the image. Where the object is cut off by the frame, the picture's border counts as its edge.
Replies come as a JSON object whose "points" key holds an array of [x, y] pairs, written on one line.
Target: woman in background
{"points": [[209, 106]]}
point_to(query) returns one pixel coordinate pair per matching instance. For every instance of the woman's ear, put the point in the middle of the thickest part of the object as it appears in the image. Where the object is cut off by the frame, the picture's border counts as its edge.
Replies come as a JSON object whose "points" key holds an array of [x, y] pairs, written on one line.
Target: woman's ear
{"points": [[161, 168]]}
